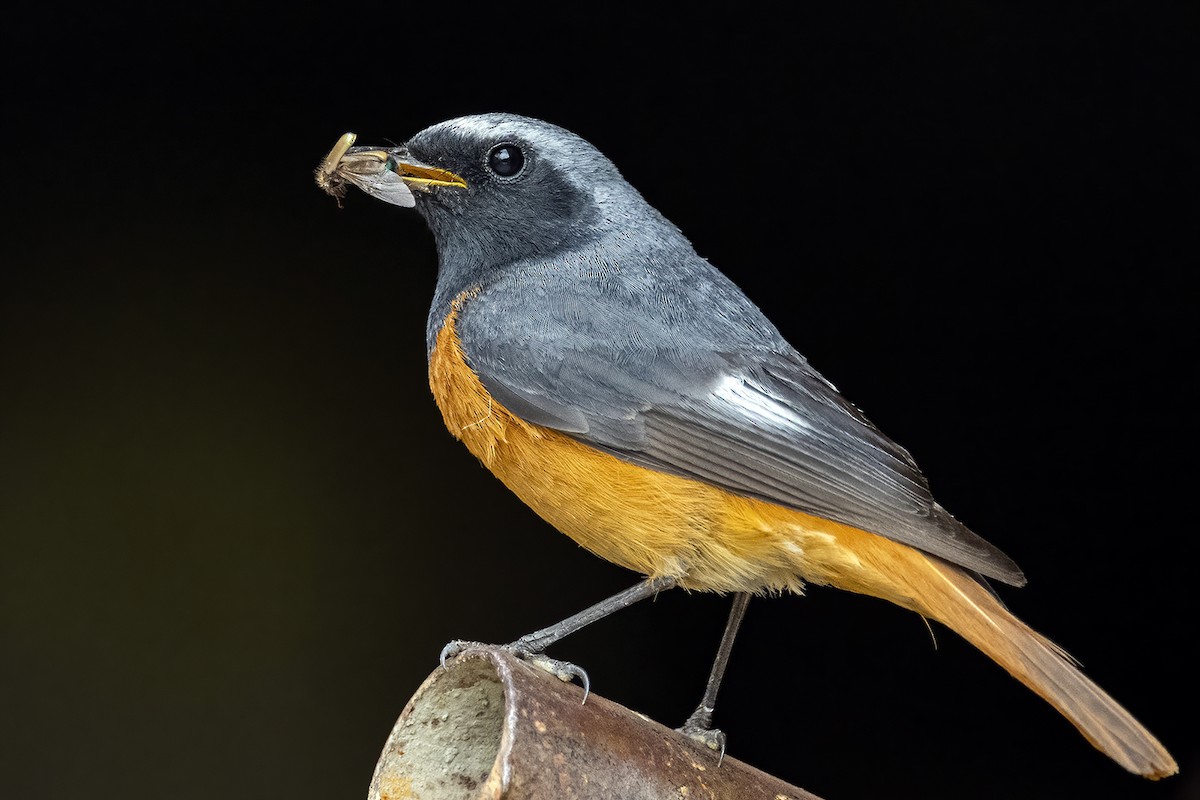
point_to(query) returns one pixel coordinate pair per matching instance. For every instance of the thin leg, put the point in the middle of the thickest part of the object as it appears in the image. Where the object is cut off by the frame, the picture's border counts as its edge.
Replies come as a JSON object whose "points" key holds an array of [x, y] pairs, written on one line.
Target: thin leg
{"points": [[699, 724], [538, 641], [530, 646]]}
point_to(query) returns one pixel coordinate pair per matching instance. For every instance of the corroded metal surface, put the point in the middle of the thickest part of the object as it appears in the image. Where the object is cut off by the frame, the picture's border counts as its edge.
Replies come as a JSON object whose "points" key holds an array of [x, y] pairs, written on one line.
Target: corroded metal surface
{"points": [[491, 727]]}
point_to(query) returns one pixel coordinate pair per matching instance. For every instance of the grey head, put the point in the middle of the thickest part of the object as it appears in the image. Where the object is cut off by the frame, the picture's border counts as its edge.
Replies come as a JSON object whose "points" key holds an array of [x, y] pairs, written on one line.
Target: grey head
{"points": [[531, 190]]}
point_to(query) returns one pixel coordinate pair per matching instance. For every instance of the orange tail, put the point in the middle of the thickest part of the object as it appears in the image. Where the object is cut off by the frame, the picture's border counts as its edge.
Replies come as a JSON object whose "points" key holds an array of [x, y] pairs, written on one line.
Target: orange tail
{"points": [[947, 594]]}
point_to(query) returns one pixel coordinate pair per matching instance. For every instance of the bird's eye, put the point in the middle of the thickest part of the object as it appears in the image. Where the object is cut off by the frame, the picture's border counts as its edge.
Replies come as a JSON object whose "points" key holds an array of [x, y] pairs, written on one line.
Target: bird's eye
{"points": [[506, 160]]}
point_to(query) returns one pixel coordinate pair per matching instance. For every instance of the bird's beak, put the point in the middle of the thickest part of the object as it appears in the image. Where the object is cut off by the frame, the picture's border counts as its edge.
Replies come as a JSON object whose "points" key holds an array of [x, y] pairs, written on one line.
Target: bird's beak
{"points": [[388, 174]]}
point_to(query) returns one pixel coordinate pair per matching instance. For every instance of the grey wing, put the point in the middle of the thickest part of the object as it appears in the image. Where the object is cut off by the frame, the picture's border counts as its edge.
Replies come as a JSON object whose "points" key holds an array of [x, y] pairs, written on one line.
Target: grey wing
{"points": [[765, 425]]}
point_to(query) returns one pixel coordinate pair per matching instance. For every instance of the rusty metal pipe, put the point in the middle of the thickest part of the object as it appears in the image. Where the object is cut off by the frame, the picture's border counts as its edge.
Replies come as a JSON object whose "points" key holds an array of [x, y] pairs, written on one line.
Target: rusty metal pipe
{"points": [[491, 727]]}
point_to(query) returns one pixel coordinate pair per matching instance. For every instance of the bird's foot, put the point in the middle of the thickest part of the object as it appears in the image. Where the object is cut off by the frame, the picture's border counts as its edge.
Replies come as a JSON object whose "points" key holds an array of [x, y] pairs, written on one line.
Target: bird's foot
{"points": [[699, 728], [565, 671]]}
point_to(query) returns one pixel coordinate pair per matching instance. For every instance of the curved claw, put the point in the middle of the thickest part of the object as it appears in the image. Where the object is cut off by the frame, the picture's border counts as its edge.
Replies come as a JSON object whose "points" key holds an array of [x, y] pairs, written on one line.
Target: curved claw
{"points": [[565, 671], [453, 649], [712, 738]]}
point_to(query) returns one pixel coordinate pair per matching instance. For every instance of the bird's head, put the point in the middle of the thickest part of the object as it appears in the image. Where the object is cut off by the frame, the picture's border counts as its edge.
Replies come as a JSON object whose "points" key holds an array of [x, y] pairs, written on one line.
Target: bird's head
{"points": [[495, 187]]}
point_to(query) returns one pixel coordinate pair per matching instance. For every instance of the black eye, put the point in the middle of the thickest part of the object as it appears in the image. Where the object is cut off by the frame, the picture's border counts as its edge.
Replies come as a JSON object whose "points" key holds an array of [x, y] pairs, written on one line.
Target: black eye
{"points": [[506, 160]]}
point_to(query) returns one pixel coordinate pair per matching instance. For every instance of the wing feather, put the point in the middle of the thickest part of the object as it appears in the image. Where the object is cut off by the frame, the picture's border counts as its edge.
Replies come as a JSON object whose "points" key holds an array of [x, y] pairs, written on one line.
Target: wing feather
{"points": [[758, 421]]}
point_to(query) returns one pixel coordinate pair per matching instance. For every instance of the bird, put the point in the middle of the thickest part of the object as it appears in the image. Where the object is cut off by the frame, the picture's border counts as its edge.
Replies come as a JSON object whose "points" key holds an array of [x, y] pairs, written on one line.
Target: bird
{"points": [[636, 399]]}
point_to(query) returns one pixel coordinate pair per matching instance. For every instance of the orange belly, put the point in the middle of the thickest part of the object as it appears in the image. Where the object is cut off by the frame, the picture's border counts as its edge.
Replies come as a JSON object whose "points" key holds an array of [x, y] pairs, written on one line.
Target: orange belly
{"points": [[652, 522]]}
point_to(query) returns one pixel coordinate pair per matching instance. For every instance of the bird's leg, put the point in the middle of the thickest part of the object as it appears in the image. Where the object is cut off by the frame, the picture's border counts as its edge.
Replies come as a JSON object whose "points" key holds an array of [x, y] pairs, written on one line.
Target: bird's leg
{"points": [[530, 646], [699, 724]]}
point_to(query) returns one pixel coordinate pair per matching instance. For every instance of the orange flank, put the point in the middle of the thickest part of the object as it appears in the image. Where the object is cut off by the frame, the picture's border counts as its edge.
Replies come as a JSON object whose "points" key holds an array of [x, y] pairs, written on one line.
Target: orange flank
{"points": [[649, 522], [709, 539]]}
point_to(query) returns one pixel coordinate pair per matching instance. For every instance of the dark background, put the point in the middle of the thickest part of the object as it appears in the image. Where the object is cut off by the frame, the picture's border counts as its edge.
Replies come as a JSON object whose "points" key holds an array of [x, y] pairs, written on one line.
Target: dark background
{"points": [[235, 533]]}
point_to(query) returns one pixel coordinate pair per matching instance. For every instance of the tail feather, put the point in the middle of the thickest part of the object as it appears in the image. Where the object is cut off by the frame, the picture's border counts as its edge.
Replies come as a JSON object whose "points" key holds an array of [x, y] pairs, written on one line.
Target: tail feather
{"points": [[951, 596]]}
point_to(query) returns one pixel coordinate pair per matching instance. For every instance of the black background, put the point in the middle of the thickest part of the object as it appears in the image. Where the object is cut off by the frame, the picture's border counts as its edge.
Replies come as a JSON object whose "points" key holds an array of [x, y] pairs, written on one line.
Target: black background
{"points": [[235, 533]]}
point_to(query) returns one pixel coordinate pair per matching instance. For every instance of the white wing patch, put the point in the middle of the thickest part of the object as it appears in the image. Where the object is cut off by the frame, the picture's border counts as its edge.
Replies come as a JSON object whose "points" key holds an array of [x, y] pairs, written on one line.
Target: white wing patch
{"points": [[752, 403]]}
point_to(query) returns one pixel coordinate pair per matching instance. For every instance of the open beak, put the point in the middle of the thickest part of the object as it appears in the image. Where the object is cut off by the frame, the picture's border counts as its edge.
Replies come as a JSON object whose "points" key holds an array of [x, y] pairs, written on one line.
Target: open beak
{"points": [[387, 174]]}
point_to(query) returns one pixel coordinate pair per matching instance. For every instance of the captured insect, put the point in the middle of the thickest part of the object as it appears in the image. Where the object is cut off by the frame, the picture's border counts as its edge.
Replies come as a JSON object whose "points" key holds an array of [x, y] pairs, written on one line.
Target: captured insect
{"points": [[384, 174], [370, 169]]}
